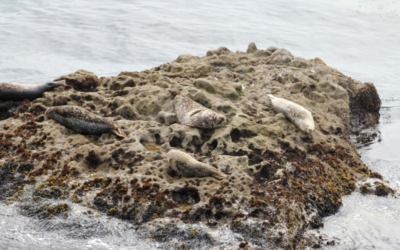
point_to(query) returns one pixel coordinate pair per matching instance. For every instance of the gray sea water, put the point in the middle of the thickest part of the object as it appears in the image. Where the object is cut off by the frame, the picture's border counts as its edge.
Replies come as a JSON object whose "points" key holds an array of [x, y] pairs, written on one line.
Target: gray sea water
{"points": [[41, 40]]}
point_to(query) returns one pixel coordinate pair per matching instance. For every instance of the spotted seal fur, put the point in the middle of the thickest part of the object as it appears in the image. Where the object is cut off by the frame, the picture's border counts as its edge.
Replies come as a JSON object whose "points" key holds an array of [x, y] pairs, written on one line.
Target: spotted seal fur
{"points": [[83, 121], [193, 114], [10, 91], [295, 113], [189, 167]]}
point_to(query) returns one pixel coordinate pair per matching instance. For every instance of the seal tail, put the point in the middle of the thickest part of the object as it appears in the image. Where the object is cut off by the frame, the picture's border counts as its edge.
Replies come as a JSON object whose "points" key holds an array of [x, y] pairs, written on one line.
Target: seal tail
{"points": [[118, 131], [219, 175]]}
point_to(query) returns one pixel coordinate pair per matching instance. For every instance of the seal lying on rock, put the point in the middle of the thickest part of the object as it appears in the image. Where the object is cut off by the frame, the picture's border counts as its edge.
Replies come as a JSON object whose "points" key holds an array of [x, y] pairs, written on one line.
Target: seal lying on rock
{"points": [[189, 167], [83, 121], [193, 114], [294, 113], [20, 91]]}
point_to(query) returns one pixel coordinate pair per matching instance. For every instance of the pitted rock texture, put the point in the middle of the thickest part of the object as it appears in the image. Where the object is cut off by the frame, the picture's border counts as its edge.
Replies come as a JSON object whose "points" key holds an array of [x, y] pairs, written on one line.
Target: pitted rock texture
{"points": [[81, 80], [280, 181]]}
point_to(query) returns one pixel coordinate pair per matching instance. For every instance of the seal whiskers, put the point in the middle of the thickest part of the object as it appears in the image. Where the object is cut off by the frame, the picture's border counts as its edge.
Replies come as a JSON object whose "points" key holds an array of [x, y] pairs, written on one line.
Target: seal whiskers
{"points": [[193, 114], [83, 121], [294, 112], [189, 167]]}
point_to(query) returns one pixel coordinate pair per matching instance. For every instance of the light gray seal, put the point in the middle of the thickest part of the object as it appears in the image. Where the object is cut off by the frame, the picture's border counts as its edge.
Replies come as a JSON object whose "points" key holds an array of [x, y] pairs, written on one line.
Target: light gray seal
{"points": [[193, 114], [189, 167], [295, 113], [83, 121], [10, 91]]}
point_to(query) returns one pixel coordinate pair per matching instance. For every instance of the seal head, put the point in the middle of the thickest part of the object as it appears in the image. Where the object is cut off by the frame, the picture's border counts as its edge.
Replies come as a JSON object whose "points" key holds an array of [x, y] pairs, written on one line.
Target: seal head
{"points": [[83, 121]]}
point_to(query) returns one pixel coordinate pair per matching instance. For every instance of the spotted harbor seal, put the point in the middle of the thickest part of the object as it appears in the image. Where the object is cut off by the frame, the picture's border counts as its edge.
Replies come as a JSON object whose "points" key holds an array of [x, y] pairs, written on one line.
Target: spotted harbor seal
{"points": [[189, 167], [83, 121], [294, 112], [193, 114], [10, 91]]}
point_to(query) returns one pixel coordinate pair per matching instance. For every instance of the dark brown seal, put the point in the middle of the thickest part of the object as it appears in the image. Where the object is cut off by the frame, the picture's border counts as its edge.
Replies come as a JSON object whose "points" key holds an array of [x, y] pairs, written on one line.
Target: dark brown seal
{"points": [[10, 91], [83, 121], [193, 114]]}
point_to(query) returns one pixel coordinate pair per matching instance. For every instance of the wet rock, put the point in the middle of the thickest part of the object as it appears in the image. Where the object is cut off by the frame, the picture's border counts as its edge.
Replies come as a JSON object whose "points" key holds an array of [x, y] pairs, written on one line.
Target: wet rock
{"points": [[377, 188], [46, 210], [12, 178], [364, 106]]}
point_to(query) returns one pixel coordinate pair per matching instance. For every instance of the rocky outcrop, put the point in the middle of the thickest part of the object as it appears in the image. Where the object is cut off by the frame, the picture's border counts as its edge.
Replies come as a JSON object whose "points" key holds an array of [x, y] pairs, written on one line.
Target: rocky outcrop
{"points": [[364, 106], [280, 181], [81, 80]]}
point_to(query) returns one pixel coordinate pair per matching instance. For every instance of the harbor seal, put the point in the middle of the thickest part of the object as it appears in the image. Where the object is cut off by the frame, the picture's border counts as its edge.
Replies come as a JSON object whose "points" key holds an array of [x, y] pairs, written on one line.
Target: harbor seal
{"points": [[189, 167], [83, 121], [10, 91], [295, 113], [193, 114]]}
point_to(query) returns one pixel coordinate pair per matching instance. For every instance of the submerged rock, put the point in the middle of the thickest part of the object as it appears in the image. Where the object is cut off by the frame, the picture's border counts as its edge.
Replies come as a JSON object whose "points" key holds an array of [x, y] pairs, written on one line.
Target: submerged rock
{"points": [[280, 182]]}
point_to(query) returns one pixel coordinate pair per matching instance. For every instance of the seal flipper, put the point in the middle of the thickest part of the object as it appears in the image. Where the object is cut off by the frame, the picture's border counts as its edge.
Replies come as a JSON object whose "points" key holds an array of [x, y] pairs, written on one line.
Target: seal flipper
{"points": [[174, 92], [219, 175], [194, 112], [118, 131]]}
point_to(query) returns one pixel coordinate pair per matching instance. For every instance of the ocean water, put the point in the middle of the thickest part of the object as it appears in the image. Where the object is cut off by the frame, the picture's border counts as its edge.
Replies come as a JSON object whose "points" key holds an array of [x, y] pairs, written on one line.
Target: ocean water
{"points": [[79, 231], [41, 40]]}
